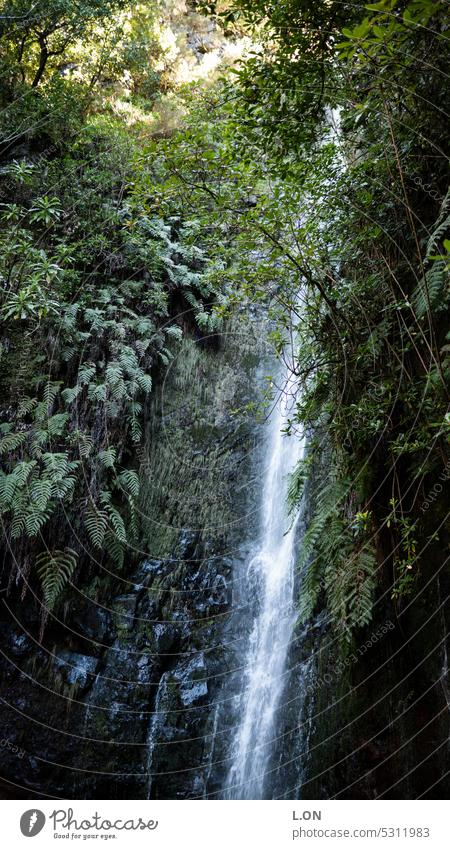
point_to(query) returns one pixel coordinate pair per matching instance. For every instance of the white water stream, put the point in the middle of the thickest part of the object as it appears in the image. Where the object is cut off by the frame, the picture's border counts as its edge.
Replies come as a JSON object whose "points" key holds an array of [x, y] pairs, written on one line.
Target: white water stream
{"points": [[270, 574]]}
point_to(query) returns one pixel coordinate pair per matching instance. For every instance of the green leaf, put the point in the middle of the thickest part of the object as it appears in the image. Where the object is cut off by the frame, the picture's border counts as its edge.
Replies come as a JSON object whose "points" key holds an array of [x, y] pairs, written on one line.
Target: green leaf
{"points": [[55, 570]]}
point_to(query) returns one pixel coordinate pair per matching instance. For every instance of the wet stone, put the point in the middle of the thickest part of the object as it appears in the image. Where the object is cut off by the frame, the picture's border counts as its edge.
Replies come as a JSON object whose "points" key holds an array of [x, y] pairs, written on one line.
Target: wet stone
{"points": [[125, 609], [77, 669]]}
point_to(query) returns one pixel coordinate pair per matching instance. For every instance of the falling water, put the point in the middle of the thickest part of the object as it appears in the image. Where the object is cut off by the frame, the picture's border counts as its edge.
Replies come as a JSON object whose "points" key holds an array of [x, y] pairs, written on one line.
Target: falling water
{"points": [[270, 576], [156, 718]]}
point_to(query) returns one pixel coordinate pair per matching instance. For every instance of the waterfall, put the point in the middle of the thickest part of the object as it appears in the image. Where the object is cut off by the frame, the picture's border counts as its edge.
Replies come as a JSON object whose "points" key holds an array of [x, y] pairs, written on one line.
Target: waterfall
{"points": [[156, 719], [270, 579]]}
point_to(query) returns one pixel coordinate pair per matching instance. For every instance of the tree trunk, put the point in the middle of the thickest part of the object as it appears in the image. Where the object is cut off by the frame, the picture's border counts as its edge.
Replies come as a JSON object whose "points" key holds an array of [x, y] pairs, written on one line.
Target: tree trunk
{"points": [[43, 57]]}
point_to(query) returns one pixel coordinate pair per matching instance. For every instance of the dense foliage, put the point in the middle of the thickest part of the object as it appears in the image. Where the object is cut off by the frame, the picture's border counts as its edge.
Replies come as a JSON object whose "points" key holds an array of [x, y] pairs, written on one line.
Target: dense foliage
{"points": [[90, 281], [340, 127], [312, 180], [367, 244]]}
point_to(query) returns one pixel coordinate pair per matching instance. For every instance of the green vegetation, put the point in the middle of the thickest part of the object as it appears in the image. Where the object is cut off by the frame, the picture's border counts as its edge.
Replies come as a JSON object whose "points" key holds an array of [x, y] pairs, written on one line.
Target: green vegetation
{"points": [[342, 194], [90, 280], [365, 238], [120, 235]]}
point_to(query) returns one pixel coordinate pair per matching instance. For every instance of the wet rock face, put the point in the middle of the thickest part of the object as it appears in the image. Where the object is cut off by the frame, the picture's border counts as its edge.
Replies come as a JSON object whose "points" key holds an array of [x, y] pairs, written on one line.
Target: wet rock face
{"points": [[119, 699], [369, 719], [131, 718], [134, 695], [380, 720], [77, 669]]}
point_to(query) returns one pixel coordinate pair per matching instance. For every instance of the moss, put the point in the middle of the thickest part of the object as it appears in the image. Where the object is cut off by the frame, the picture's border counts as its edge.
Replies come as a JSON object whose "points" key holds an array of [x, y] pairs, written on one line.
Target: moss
{"points": [[193, 437]]}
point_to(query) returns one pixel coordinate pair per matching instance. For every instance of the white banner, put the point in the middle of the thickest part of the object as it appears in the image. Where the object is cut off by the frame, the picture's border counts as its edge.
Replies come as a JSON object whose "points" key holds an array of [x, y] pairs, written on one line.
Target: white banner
{"points": [[236, 824]]}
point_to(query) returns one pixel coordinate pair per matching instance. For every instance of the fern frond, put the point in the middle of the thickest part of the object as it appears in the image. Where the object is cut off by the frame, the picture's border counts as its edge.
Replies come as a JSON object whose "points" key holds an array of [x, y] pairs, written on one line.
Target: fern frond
{"points": [[96, 523], [35, 520], [144, 382], [115, 549], [115, 380], [297, 482], [429, 290], [129, 481], [57, 464], [107, 457], [56, 424], [40, 493], [136, 430], [85, 373], [174, 331], [441, 227], [55, 570], [117, 523], [40, 438], [50, 393], [19, 516], [11, 441], [26, 406], [97, 392], [128, 361], [71, 393], [84, 442]]}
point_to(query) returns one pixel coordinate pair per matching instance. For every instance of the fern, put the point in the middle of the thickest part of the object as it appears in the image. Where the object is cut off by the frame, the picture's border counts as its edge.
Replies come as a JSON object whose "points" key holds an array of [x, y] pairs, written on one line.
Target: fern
{"points": [[56, 424], [56, 463], [136, 430], [107, 457], [115, 381], [165, 355], [129, 481], [40, 493], [19, 476], [35, 520], [97, 392], [70, 394], [117, 523], [96, 523], [441, 227], [327, 501], [60, 471], [84, 443], [96, 319], [350, 584], [114, 548], [16, 480], [143, 326], [174, 331], [55, 570], [128, 361], [309, 591], [64, 489], [85, 373], [430, 288], [28, 492], [142, 346], [19, 517], [68, 352], [40, 438], [297, 482], [144, 382], [334, 561], [50, 393], [120, 346], [44, 407], [112, 409], [11, 441], [26, 406]]}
